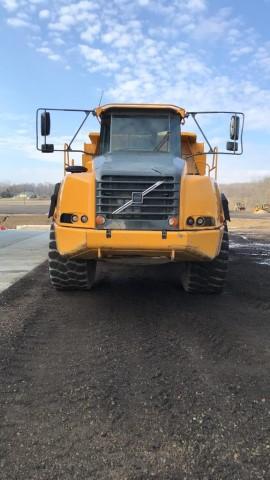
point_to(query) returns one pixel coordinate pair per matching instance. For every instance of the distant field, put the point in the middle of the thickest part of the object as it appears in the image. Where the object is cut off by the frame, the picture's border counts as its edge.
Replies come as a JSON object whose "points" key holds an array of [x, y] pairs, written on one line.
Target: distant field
{"points": [[258, 226], [249, 215], [13, 221], [10, 206]]}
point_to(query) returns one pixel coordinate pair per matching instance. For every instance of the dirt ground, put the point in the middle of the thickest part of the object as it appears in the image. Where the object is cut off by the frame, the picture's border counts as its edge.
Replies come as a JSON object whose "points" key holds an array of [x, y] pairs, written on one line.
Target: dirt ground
{"points": [[15, 206], [260, 225], [14, 213], [13, 221], [138, 380]]}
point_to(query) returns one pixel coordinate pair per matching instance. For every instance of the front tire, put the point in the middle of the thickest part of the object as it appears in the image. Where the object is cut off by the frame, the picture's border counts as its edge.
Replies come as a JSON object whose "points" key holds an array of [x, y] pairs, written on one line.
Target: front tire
{"points": [[208, 277], [68, 273]]}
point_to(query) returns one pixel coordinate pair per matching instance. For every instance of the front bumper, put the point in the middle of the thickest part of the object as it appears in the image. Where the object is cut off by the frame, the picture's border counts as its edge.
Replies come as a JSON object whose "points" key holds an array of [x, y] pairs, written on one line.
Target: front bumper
{"points": [[196, 245]]}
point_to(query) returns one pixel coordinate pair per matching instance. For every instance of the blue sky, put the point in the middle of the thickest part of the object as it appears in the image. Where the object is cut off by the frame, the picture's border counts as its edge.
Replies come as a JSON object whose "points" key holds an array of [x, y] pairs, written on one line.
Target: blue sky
{"points": [[200, 54]]}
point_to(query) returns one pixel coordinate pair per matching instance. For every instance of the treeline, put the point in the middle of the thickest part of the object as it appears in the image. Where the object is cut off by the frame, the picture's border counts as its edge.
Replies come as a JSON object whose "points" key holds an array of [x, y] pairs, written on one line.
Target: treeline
{"points": [[251, 193], [38, 189]]}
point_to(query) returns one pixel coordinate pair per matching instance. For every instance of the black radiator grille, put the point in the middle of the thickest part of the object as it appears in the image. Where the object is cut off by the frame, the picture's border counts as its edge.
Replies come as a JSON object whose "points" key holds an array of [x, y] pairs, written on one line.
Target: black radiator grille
{"points": [[113, 191]]}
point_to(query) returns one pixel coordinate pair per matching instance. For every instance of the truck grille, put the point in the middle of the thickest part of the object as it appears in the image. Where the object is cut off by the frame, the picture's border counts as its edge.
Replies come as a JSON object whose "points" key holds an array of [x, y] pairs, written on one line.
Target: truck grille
{"points": [[113, 191]]}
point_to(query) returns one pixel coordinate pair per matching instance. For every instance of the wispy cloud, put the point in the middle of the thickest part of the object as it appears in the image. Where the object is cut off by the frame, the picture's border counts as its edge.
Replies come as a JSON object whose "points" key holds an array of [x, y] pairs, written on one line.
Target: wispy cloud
{"points": [[182, 51], [44, 14], [50, 53], [10, 5], [17, 22], [97, 59]]}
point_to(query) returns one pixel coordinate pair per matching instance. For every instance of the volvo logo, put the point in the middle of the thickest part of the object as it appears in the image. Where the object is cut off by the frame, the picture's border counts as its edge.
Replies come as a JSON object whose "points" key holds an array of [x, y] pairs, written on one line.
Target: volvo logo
{"points": [[137, 197]]}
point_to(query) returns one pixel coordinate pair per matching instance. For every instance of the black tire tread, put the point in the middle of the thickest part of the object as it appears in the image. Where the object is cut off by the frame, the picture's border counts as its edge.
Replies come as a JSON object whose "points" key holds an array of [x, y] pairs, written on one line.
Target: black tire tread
{"points": [[66, 273], [208, 277]]}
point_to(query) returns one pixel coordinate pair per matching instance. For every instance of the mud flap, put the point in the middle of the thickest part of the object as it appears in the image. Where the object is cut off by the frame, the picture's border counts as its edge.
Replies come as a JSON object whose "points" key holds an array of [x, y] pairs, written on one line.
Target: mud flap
{"points": [[225, 206], [54, 199]]}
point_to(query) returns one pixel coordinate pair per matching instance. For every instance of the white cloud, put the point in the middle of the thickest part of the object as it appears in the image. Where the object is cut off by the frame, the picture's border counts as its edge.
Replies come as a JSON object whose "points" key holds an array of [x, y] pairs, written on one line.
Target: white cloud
{"points": [[58, 41], [97, 59], [90, 34], [261, 58], [17, 22], [238, 52], [10, 5], [74, 14], [143, 3], [93, 54], [64, 23], [78, 7], [44, 14], [49, 53], [55, 57], [213, 26], [196, 5]]}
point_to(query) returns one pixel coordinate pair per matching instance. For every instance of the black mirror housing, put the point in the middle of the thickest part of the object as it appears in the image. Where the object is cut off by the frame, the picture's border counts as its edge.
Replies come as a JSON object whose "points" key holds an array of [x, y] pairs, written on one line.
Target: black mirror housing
{"points": [[234, 127], [45, 125], [47, 148], [76, 169], [232, 146]]}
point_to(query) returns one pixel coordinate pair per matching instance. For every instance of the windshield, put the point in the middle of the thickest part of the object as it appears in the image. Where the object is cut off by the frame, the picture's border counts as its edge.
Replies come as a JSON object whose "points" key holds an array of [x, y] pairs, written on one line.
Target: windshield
{"points": [[141, 132]]}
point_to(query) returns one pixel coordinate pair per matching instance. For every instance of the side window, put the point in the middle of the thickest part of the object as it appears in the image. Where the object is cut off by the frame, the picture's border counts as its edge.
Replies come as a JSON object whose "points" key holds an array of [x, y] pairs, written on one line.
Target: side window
{"points": [[105, 134], [175, 135]]}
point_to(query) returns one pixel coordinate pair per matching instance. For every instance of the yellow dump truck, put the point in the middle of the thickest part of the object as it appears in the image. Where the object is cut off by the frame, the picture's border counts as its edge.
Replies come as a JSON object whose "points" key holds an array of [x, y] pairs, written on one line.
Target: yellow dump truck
{"points": [[263, 207], [143, 193], [239, 207]]}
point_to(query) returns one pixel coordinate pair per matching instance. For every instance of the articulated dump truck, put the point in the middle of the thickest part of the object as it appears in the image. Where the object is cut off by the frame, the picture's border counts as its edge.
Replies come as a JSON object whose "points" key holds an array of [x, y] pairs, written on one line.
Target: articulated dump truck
{"points": [[143, 193]]}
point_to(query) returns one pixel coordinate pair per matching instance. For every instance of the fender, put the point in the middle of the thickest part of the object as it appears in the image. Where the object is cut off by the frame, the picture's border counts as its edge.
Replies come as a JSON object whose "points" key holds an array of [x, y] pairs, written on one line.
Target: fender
{"points": [[225, 206], [54, 199]]}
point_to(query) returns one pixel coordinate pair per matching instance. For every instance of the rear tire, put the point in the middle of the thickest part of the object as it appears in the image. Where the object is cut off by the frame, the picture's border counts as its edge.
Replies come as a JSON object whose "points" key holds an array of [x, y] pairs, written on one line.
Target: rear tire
{"points": [[69, 273], [208, 277]]}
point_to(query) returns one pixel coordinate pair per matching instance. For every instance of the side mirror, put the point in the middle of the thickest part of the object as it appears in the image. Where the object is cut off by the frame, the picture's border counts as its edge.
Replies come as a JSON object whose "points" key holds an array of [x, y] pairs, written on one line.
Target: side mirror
{"points": [[232, 146], [47, 148], [234, 128], [45, 125]]}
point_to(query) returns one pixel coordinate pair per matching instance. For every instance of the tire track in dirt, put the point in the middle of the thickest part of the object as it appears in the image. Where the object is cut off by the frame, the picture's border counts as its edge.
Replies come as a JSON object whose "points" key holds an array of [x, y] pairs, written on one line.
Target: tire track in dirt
{"points": [[135, 380]]}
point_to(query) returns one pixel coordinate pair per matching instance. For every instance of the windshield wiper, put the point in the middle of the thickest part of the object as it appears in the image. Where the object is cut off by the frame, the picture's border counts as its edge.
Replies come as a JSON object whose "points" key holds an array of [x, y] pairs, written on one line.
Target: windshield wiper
{"points": [[162, 141]]}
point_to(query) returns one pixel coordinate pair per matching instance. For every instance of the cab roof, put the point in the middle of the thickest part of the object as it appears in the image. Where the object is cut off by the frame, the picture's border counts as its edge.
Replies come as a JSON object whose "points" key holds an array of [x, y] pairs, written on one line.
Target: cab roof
{"points": [[140, 106]]}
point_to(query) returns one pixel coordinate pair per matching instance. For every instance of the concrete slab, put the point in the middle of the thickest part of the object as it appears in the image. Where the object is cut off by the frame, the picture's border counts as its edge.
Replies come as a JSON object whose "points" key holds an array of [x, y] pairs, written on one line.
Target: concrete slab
{"points": [[20, 252], [33, 227]]}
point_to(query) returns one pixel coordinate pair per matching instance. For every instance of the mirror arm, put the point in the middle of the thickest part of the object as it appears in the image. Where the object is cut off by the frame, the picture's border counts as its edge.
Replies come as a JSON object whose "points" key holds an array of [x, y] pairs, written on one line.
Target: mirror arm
{"points": [[37, 113], [202, 132], [235, 132], [241, 134], [80, 127], [45, 136]]}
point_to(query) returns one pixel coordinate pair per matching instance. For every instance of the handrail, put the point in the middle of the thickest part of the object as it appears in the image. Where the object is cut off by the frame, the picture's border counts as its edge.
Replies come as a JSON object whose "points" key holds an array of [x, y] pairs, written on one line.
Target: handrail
{"points": [[67, 161], [214, 166], [66, 157]]}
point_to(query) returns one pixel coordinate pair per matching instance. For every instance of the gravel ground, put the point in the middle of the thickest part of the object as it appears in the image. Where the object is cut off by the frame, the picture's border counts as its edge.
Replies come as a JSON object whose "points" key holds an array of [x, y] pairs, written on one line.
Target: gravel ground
{"points": [[12, 221], [137, 380]]}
